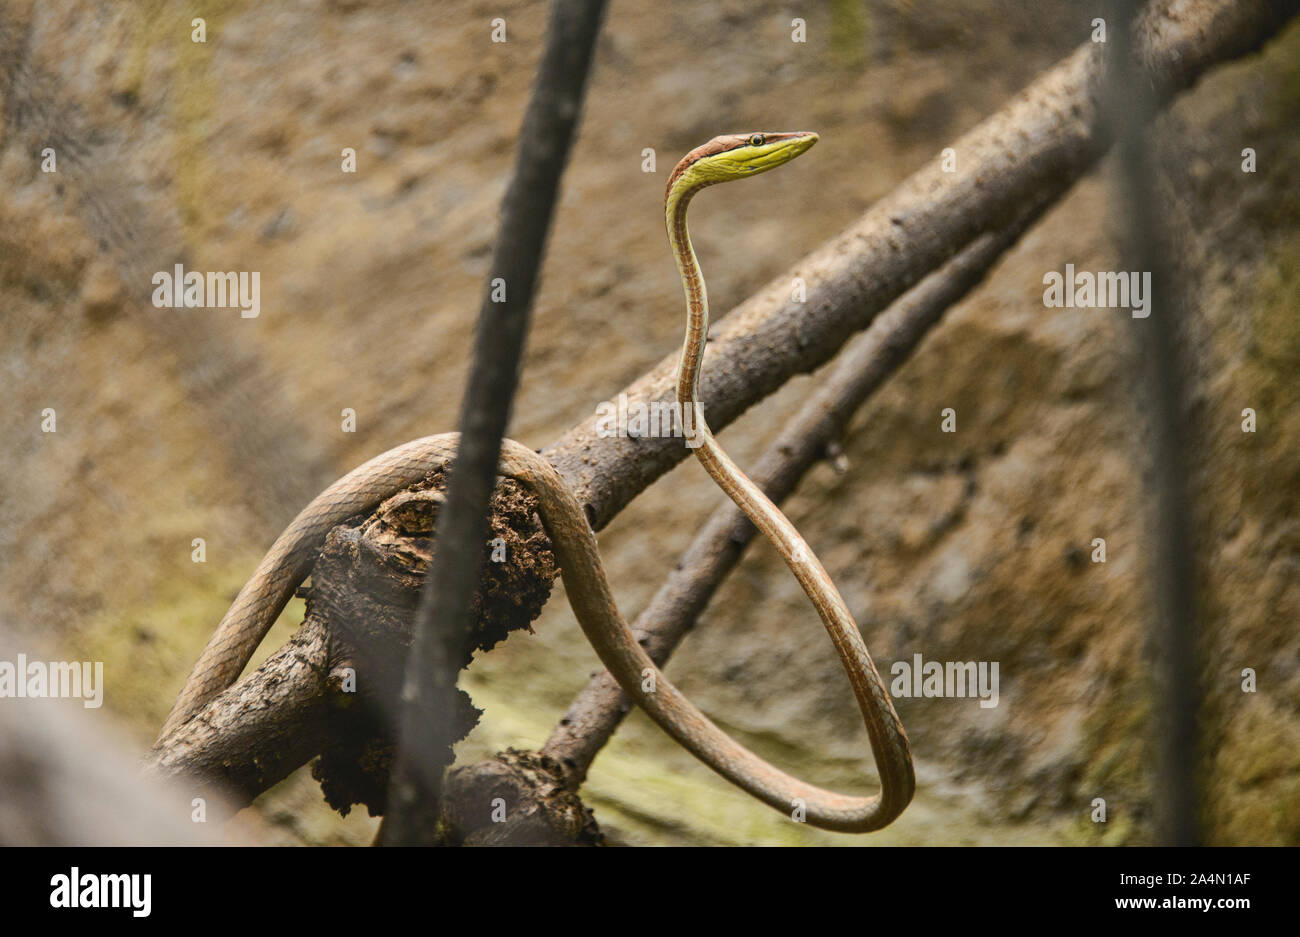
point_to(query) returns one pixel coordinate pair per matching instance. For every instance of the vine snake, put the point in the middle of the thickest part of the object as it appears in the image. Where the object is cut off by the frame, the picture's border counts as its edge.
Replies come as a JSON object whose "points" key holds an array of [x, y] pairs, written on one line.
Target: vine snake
{"points": [[292, 555]]}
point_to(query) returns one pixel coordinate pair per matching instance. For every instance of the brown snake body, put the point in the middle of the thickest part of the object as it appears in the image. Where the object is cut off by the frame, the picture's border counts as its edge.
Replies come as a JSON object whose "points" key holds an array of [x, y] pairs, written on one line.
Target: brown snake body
{"points": [[292, 555]]}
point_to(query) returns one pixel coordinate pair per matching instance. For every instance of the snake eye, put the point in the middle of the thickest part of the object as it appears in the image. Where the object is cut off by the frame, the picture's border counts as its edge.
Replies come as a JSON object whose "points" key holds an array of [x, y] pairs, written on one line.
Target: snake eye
{"points": [[756, 140]]}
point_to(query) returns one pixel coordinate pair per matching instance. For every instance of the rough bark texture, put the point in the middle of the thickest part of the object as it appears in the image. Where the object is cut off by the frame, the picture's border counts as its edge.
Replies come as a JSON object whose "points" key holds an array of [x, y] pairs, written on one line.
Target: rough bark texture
{"points": [[333, 688], [366, 588], [261, 729], [518, 799]]}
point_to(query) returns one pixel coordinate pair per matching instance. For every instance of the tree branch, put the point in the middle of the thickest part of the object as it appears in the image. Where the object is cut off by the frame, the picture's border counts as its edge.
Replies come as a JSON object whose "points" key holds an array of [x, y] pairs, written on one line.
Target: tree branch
{"points": [[443, 617]]}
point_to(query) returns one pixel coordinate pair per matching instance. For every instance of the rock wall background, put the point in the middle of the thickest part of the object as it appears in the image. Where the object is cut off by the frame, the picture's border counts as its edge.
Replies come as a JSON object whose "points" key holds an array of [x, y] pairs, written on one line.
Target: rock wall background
{"points": [[968, 546]]}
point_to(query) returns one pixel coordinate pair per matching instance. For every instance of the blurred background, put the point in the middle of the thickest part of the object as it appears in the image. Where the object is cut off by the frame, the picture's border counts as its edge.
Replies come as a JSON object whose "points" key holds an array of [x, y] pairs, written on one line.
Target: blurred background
{"points": [[177, 424]]}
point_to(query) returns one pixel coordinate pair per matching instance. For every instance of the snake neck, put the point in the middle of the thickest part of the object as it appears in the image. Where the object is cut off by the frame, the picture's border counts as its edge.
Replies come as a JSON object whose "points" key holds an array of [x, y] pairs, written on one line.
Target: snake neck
{"points": [[697, 309]]}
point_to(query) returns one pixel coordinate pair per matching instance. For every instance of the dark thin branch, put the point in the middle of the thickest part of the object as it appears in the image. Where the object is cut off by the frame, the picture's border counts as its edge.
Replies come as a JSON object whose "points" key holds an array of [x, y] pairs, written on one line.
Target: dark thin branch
{"points": [[810, 436], [442, 620], [1173, 625]]}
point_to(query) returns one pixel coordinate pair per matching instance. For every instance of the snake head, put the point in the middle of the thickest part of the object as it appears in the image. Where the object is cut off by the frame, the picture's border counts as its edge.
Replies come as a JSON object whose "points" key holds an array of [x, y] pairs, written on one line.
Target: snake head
{"points": [[738, 156]]}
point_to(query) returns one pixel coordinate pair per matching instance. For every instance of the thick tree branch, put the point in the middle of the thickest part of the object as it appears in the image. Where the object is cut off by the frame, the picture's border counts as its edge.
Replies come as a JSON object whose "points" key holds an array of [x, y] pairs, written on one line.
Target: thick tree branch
{"points": [[259, 731]]}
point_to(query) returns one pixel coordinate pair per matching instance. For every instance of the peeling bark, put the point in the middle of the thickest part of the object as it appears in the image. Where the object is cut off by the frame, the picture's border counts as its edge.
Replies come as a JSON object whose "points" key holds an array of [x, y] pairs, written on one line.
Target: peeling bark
{"points": [[333, 687]]}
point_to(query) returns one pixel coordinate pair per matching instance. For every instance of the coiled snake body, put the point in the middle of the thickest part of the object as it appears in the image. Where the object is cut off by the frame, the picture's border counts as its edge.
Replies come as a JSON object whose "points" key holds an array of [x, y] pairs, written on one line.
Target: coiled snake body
{"points": [[292, 555]]}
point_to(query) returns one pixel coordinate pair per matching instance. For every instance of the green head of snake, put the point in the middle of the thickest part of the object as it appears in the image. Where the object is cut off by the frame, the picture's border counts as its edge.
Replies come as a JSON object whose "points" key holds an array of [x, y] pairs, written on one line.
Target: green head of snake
{"points": [[736, 156], [722, 159]]}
